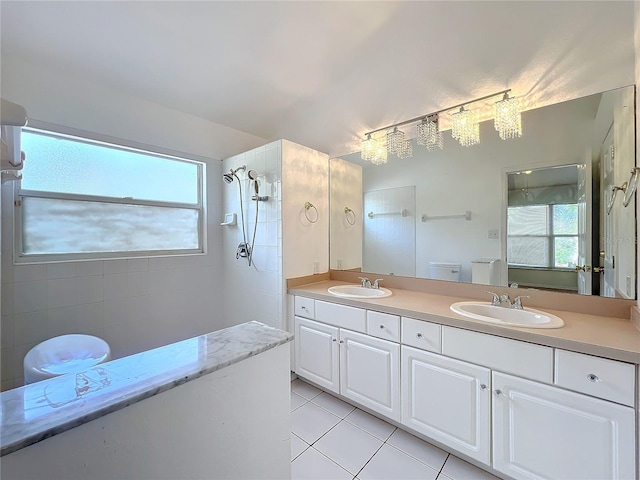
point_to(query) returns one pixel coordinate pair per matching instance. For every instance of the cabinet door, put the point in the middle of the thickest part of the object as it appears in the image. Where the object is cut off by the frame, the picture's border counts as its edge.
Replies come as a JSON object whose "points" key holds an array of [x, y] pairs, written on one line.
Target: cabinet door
{"points": [[370, 372], [317, 353], [544, 432], [447, 400]]}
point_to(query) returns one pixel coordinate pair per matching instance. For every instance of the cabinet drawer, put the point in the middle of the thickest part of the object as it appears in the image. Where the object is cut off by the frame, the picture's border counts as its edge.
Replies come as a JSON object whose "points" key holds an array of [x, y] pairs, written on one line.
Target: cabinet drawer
{"points": [[502, 354], [421, 334], [304, 307], [342, 316], [383, 325], [600, 377]]}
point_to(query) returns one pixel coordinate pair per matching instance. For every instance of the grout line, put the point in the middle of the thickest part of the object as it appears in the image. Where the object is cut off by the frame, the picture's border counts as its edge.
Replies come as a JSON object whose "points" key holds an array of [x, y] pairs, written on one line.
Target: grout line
{"points": [[370, 458], [443, 464]]}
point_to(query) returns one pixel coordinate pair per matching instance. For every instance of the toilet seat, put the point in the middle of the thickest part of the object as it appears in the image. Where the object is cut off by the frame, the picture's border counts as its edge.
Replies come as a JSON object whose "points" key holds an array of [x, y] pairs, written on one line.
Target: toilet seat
{"points": [[64, 354]]}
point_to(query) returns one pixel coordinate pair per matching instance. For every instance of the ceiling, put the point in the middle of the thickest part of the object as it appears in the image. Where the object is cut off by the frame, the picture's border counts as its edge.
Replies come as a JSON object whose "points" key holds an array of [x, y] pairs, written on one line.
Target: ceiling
{"points": [[323, 73]]}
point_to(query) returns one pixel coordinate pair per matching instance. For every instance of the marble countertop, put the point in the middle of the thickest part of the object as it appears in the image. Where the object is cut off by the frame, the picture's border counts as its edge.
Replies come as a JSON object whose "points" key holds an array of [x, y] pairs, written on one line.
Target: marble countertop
{"points": [[38, 411], [610, 337]]}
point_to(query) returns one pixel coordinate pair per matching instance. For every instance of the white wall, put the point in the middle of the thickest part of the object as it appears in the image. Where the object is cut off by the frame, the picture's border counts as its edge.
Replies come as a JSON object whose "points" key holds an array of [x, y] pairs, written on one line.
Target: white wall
{"points": [[133, 304], [346, 239], [305, 178], [253, 292]]}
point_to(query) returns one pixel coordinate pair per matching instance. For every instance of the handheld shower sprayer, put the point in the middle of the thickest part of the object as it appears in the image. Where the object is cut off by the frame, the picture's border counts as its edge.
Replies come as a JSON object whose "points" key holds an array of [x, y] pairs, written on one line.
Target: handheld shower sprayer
{"points": [[253, 176]]}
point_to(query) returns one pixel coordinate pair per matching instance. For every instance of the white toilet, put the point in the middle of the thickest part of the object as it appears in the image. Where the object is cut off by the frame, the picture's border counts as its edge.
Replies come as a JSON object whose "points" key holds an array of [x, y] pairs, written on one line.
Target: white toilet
{"points": [[64, 354], [445, 271]]}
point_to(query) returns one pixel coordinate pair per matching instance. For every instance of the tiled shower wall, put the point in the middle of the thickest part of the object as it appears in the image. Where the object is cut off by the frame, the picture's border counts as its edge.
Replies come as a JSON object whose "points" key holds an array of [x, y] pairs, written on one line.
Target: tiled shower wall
{"points": [[134, 304], [253, 292]]}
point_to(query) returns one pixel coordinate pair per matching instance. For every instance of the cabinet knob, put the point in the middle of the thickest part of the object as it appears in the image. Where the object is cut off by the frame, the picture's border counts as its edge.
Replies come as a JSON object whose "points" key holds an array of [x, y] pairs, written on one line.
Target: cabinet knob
{"points": [[498, 392], [483, 387], [334, 339], [419, 335], [303, 307], [592, 377], [381, 327], [341, 341]]}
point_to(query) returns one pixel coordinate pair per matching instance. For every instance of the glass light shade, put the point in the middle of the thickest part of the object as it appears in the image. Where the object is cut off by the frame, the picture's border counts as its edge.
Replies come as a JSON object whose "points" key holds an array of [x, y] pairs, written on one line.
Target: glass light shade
{"points": [[406, 150], [465, 127], [429, 134], [380, 154], [395, 141], [508, 118], [368, 148]]}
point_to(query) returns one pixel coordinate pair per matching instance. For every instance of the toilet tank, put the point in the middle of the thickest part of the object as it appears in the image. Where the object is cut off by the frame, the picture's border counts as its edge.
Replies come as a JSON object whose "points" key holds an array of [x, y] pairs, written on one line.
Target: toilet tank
{"points": [[485, 271], [445, 271]]}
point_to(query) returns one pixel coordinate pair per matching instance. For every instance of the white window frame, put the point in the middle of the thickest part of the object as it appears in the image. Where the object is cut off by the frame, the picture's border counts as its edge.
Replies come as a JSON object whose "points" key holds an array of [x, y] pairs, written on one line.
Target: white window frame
{"points": [[19, 193]]}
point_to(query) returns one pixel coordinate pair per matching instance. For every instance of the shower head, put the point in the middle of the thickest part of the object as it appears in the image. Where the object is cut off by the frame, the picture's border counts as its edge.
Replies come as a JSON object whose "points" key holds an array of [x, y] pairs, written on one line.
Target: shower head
{"points": [[228, 177]]}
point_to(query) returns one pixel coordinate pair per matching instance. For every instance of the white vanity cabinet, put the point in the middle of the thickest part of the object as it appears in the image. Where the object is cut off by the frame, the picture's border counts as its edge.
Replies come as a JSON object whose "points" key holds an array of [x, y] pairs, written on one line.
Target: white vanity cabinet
{"points": [[528, 411], [317, 353], [447, 400], [544, 432], [361, 367], [370, 372]]}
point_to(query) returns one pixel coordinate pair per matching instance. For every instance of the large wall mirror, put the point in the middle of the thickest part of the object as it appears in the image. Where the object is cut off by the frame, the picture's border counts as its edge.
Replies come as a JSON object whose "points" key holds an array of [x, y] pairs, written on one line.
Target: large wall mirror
{"points": [[552, 210]]}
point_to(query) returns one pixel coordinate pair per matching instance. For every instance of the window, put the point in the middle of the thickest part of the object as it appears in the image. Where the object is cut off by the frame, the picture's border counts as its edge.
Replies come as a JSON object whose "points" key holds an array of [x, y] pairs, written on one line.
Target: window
{"points": [[544, 236], [80, 198]]}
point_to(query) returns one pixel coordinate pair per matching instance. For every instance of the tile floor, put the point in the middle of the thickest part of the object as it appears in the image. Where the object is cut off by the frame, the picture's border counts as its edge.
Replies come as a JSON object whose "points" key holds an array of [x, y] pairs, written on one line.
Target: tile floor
{"points": [[334, 440]]}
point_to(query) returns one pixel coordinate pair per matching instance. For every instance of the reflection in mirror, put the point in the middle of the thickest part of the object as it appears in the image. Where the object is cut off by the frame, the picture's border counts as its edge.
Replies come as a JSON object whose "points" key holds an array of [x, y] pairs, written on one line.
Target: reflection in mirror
{"points": [[473, 214]]}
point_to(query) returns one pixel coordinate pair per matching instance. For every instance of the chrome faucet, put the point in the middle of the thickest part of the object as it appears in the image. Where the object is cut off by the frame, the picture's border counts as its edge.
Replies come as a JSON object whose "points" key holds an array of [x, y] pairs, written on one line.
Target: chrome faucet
{"points": [[495, 301], [376, 284], [517, 303], [505, 301], [366, 283]]}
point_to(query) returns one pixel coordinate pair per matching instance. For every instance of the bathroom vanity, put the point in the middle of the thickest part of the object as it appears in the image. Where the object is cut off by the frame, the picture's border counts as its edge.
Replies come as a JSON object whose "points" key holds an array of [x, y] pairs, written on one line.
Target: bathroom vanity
{"points": [[522, 403], [191, 409]]}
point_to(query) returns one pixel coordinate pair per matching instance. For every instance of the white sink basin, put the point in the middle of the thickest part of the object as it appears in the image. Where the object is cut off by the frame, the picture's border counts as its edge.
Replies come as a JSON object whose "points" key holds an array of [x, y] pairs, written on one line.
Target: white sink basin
{"points": [[528, 317], [356, 291]]}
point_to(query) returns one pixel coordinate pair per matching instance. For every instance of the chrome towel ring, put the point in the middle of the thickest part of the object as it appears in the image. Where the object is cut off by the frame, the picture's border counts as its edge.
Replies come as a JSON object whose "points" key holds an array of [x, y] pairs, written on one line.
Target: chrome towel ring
{"points": [[308, 206], [350, 216]]}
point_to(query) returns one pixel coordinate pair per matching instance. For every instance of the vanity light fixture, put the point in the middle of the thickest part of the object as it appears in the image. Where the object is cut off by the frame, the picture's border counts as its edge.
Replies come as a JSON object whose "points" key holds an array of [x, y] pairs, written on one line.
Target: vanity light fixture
{"points": [[380, 154], [508, 117], [429, 134], [368, 148], [406, 149], [465, 127], [395, 141]]}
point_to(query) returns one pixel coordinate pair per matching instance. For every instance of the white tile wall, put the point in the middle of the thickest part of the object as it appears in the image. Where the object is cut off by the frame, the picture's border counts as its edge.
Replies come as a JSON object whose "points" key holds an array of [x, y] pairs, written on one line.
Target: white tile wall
{"points": [[254, 292], [134, 304]]}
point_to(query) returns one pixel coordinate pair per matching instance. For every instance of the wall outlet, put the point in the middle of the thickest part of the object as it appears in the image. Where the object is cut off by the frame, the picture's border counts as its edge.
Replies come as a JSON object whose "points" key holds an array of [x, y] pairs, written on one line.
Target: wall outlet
{"points": [[493, 234], [339, 264], [316, 267]]}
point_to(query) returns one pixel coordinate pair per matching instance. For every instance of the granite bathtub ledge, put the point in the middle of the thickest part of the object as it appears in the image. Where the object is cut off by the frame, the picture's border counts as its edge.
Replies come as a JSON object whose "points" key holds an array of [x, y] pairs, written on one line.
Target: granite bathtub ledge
{"points": [[35, 412]]}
